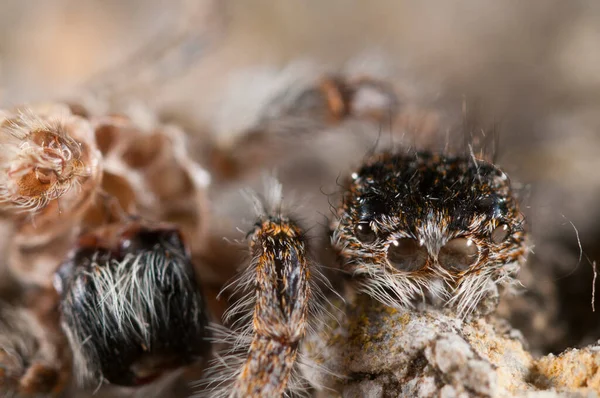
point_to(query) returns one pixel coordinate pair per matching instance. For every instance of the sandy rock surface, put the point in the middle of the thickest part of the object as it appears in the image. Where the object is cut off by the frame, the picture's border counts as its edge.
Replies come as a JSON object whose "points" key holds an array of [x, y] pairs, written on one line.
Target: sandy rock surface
{"points": [[377, 351]]}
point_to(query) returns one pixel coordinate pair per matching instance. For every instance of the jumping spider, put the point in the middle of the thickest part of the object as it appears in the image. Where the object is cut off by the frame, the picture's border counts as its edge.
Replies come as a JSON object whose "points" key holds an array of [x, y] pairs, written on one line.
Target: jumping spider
{"points": [[410, 227]]}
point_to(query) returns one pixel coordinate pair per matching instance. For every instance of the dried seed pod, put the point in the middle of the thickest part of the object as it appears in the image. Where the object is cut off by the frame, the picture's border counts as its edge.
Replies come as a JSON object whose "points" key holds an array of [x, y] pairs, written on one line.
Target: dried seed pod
{"points": [[149, 171], [46, 154], [134, 168], [50, 171], [131, 306], [440, 227]]}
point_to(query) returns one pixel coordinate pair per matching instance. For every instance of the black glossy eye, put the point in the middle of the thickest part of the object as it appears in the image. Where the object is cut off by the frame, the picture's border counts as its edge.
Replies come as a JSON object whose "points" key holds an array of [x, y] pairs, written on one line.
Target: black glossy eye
{"points": [[491, 205], [486, 203], [458, 254], [406, 255], [364, 233], [371, 206], [500, 233]]}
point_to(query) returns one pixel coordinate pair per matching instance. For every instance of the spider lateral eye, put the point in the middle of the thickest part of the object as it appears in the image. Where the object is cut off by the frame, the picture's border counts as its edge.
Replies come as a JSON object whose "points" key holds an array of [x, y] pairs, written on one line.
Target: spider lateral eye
{"points": [[500, 233], [492, 206], [486, 203], [406, 255], [364, 233], [458, 254]]}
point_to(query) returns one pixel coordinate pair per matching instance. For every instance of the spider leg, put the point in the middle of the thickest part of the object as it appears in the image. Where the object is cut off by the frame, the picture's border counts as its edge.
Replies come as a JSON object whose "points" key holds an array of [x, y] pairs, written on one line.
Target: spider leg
{"points": [[270, 318], [298, 114], [34, 359], [282, 293]]}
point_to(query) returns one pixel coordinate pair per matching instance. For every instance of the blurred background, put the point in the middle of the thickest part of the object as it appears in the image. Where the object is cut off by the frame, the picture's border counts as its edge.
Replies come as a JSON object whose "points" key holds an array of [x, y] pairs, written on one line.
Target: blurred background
{"points": [[533, 67]]}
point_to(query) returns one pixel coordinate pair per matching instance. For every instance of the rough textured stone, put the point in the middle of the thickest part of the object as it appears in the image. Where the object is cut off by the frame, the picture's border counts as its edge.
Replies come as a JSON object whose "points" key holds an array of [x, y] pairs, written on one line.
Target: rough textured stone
{"points": [[379, 351]]}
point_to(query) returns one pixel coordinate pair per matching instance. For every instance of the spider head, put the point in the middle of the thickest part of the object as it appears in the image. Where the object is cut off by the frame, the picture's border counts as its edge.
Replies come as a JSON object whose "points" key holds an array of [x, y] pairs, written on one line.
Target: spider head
{"points": [[413, 225], [131, 306]]}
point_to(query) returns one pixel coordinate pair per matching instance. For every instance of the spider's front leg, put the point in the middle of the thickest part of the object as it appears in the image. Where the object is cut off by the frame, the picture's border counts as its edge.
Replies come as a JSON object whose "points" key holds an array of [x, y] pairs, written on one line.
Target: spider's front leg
{"points": [[280, 278], [270, 319]]}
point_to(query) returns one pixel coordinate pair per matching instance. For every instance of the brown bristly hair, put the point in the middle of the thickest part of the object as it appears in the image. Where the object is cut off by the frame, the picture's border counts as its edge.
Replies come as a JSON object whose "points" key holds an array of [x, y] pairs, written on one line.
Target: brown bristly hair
{"points": [[279, 296]]}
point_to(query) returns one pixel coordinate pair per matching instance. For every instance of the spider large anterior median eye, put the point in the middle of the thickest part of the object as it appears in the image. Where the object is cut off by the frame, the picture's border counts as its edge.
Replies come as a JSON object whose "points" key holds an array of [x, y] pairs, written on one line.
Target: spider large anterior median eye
{"points": [[500, 233], [364, 233], [406, 255], [458, 254]]}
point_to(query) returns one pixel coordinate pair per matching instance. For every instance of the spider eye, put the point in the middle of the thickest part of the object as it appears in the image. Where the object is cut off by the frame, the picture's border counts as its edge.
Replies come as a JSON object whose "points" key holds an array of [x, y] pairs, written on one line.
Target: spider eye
{"points": [[486, 203], [458, 254], [500, 233], [492, 205], [406, 255], [364, 233]]}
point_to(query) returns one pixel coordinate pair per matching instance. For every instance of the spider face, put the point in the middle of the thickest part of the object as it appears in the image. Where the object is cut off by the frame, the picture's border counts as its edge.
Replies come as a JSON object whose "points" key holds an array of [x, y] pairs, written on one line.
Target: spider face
{"points": [[130, 305], [426, 224]]}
